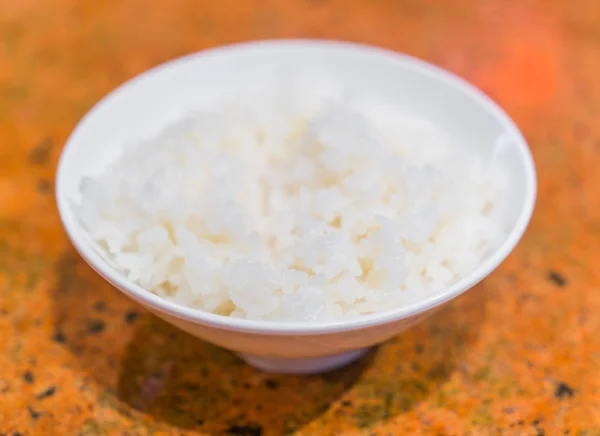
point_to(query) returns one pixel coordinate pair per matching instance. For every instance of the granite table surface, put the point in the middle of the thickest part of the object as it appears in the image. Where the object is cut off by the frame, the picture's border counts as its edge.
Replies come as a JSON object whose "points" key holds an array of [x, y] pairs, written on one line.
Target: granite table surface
{"points": [[517, 355]]}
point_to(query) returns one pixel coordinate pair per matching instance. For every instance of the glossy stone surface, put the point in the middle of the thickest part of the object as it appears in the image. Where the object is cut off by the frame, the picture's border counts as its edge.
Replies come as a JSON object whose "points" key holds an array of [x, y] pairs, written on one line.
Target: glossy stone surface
{"points": [[520, 354]]}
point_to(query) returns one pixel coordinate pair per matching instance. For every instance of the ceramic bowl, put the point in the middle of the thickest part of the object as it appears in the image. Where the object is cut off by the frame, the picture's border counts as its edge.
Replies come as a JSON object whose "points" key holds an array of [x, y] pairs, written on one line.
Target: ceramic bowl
{"points": [[140, 106]]}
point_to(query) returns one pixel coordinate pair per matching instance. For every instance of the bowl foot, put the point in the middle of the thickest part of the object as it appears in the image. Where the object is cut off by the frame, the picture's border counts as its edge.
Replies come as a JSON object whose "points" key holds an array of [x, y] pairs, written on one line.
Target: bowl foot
{"points": [[315, 365]]}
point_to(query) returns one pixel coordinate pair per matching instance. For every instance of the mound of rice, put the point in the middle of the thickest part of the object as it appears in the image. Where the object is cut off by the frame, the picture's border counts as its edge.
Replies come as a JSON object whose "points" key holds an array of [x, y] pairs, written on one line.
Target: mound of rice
{"points": [[295, 206]]}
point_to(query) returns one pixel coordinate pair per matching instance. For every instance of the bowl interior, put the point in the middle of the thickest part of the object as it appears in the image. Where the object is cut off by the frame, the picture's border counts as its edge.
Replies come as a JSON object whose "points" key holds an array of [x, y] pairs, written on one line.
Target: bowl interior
{"points": [[143, 105]]}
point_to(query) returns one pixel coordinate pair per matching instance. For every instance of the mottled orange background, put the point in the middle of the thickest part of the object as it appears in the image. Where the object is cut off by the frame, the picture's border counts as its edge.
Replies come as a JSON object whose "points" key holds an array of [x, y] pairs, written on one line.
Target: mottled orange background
{"points": [[519, 355]]}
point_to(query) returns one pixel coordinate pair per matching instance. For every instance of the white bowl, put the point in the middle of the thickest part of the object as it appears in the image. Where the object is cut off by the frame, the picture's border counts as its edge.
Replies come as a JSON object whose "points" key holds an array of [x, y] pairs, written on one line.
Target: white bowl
{"points": [[142, 105]]}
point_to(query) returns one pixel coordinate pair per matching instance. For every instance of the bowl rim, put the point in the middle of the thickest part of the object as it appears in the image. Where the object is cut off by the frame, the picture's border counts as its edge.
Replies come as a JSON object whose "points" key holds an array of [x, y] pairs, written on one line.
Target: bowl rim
{"points": [[198, 316]]}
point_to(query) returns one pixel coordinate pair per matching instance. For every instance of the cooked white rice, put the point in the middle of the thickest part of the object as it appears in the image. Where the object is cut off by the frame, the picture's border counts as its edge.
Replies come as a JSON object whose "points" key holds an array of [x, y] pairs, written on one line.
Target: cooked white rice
{"points": [[295, 206]]}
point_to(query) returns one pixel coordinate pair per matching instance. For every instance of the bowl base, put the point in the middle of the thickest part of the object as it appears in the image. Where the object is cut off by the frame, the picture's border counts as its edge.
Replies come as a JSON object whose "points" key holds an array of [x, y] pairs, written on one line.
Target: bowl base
{"points": [[273, 365]]}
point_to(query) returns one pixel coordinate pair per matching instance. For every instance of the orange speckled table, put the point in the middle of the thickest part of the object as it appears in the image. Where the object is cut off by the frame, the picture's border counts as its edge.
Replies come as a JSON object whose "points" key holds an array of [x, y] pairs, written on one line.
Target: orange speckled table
{"points": [[519, 355]]}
